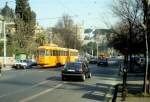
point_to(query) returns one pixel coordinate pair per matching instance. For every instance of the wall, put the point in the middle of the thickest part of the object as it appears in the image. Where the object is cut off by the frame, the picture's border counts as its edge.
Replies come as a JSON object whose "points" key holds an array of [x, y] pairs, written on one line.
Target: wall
{"points": [[9, 60]]}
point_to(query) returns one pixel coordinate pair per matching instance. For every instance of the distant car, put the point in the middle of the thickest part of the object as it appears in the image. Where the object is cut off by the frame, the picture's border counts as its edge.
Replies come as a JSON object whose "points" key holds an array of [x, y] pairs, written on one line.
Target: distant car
{"points": [[93, 61], [75, 70], [24, 64], [83, 59], [103, 62]]}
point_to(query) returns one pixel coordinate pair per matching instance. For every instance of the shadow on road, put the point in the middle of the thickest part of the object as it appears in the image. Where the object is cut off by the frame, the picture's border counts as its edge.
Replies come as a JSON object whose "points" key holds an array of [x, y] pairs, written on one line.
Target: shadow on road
{"points": [[97, 91]]}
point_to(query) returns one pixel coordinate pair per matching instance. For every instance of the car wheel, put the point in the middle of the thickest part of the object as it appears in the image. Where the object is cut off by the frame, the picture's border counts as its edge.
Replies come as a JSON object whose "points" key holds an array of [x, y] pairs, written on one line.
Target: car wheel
{"points": [[24, 67], [89, 76], [63, 78], [83, 77], [17, 66]]}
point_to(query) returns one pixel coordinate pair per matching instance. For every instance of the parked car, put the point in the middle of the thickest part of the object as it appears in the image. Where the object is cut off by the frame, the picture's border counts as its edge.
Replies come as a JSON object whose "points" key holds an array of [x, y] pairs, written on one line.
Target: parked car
{"points": [[83, 59], [24, 64], [93, 60], [103, 62], [75, 70]]}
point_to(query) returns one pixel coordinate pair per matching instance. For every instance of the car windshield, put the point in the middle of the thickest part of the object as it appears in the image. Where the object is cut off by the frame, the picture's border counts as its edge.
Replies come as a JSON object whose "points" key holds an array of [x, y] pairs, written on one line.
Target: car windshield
{"points": [[23, 61], [72, 66], [103, 59]]}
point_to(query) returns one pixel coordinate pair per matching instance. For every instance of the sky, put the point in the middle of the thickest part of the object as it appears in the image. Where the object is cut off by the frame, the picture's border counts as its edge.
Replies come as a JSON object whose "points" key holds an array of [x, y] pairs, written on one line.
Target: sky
{"points": [[90, 13]]}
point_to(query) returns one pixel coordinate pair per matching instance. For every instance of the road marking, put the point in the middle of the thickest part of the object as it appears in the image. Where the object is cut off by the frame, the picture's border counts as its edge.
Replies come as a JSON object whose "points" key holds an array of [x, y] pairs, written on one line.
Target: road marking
{"points": [[43, 82], [41, 93], [41, 71]]}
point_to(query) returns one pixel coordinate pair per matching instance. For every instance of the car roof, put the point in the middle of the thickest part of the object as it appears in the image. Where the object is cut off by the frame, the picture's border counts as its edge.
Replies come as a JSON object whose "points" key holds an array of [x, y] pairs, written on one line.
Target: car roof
{"points": [[78, 62]]}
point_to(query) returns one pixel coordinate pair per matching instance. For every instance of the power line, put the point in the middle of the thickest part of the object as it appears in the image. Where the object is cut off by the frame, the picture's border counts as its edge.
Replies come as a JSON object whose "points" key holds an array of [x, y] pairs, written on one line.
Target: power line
{"points": [[58, 1], [54, 18]]}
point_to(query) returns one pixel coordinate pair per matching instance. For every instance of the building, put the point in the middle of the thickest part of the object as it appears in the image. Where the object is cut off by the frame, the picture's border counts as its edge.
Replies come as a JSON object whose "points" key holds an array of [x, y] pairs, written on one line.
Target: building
{"points": [[80, 31], [102, 36]]}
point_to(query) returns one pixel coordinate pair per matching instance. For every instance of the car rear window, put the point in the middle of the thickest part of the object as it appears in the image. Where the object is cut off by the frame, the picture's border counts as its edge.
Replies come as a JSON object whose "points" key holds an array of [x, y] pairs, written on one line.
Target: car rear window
{"points": [[72, 66]]}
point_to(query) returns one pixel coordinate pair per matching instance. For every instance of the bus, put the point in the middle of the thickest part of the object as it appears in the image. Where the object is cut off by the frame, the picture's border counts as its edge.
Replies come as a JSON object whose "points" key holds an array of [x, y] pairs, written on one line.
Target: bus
{"points": [[51, 55]]}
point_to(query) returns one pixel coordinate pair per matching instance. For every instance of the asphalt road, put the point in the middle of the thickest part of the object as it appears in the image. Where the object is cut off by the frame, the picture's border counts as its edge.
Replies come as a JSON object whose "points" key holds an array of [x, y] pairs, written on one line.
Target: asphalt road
{"points": [[45, 85]]}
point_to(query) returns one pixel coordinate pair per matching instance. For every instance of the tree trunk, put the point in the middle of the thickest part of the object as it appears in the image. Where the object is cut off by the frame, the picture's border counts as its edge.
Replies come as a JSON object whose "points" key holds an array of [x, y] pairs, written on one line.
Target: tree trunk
{"points": [[145, 21], [146, 63]]}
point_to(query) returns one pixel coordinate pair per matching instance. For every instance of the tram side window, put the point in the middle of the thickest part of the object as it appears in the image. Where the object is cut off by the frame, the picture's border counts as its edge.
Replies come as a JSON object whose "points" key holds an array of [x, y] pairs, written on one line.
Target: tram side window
{"points": [[50, 53], [47, 53], [70, 53], [64, 53], [73, 54], [58, 53], [42, 52], [54, 53], [61, 53]]}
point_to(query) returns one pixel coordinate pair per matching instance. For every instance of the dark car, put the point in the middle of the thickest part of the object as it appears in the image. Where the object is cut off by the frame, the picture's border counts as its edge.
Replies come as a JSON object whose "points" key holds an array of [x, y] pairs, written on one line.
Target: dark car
{"points": [[103, 62], [75, 70]]}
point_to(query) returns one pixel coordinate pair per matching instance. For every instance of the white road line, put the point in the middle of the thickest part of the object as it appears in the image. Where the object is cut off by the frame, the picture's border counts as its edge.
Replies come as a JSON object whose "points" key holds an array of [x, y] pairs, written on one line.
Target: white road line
{"points": [[41, 93], [41, 71], [43, 82]]}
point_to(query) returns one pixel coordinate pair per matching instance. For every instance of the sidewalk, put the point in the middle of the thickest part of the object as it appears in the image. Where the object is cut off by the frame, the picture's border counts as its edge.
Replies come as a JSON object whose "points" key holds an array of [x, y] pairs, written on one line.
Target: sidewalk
{"points": [[134, 99], [134, 87], [6, 68]]}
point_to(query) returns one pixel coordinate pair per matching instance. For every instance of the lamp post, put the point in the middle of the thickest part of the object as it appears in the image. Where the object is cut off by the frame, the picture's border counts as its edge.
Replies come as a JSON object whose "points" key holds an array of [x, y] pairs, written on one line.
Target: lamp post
{"points": [[4, 41], [4, 45], [97, 49]]}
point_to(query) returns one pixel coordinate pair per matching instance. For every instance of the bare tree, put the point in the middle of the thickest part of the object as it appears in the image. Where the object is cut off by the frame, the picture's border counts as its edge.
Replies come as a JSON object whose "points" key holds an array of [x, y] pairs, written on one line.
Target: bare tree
{"points": [[66, 29], [128, 12], [134, 12]]}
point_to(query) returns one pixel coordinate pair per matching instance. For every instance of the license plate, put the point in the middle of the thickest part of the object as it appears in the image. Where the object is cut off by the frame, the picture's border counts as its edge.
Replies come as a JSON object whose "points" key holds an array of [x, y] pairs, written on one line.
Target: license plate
{"points": [[71, 70]]}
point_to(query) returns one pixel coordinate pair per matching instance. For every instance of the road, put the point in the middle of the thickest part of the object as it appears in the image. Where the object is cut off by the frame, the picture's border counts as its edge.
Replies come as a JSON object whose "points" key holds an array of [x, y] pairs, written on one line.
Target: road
{"points": [[45, 85]]}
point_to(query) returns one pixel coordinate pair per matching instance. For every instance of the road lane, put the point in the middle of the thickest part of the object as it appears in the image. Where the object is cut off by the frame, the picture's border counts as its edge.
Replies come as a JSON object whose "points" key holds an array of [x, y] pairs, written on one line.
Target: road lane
{"points": [[46, 86], [92, 90], [41, 93], [19, 84]]}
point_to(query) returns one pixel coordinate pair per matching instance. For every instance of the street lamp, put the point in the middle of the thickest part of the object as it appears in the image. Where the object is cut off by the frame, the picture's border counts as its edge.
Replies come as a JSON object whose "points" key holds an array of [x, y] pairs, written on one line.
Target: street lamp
{"points": [[4, 40]]}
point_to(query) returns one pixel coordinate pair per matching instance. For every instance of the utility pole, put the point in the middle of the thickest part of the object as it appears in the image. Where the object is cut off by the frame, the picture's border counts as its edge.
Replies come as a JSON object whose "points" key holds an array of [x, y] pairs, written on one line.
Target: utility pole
{"points": [[97, 48], [76, 37], [4, 46]]}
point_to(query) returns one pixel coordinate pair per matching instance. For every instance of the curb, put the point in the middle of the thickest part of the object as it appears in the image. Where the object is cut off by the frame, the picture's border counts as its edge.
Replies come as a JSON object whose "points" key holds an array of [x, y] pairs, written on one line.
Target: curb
{"points": [[6, 68], [109, 95]]}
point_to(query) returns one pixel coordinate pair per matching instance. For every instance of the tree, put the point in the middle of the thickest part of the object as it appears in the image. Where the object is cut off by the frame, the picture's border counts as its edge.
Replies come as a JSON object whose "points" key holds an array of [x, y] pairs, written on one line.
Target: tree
{"points": [[90, 48], [87, 38], [88, 30], [40, 39], [66, 29], [25, 24], [133, 13], [8, 13], [120, 39], [128, 11]]}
